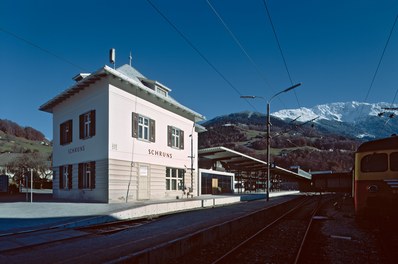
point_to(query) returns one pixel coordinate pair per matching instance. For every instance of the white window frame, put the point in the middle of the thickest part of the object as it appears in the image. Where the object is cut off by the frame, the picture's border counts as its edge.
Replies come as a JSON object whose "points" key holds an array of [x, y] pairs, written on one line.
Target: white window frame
{"points": [[143, 129], [86, 184], [175, 137], [65, 177], [174, 179], [87, 124]]}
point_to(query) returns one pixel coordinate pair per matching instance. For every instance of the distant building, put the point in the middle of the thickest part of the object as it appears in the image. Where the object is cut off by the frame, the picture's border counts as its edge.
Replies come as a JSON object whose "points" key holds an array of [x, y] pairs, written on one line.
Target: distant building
{"points": [[119, 136], [7, 158]]}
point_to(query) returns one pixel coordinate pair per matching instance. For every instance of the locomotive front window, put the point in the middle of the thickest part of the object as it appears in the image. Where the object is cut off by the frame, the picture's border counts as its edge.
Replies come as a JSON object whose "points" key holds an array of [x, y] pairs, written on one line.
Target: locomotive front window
{"points": [[377, 162], [394, 161]]}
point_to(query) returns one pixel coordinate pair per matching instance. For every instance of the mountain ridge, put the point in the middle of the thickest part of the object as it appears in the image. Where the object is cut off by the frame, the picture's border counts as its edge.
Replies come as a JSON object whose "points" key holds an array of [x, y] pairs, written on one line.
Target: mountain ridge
{"points": [[337, 111], [364, 121]]}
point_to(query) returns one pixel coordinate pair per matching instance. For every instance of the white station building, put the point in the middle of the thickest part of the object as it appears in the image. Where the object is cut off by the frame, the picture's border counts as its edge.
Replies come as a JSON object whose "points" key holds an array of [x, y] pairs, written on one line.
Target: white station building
{"points": [[118, 136]]}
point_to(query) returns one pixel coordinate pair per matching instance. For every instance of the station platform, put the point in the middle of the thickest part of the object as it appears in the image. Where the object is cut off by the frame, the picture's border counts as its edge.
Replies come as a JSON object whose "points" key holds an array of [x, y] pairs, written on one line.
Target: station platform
{"points": [[45, 212]]}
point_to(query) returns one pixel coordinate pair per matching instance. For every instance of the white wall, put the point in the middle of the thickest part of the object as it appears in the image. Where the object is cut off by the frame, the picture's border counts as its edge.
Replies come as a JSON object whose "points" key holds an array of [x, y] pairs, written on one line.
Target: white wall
{"points": [[95, 148], [94, 97], [122, 145], [113, 145]]}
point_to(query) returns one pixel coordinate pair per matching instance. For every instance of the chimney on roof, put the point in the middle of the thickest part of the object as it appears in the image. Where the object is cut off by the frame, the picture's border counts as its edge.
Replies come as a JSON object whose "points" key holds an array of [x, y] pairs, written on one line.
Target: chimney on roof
{"points": [[112, 57], [80, 76]]}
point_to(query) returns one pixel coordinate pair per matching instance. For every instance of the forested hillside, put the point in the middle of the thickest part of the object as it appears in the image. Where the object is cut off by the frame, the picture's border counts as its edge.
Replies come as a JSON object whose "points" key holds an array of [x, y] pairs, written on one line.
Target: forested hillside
{"points": [[17, 139], [13, 129], [292, 144]]}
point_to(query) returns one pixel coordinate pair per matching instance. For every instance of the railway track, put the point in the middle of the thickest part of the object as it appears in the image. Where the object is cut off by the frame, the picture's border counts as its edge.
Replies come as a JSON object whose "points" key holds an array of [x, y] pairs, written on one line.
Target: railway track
{"points": [[152, 243], [279, 239], [31, 239]]}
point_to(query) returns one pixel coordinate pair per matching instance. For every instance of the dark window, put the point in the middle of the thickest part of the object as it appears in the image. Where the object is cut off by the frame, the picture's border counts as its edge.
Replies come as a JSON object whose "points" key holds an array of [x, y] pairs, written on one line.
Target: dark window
{"points": [[143, 127], [377, 162], [87, 125], [65, 130], [214, 183], [87, 175], [175, 137], [394, 161]]}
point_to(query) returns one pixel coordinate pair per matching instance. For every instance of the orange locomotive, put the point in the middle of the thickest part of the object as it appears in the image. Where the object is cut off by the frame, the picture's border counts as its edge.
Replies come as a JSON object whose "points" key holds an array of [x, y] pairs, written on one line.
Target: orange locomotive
{"points": [[376, 177]]}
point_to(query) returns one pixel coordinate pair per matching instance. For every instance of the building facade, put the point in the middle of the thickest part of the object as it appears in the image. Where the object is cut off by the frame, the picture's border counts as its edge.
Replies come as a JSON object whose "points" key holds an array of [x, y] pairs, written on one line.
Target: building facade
{"points": [[118, 136]]}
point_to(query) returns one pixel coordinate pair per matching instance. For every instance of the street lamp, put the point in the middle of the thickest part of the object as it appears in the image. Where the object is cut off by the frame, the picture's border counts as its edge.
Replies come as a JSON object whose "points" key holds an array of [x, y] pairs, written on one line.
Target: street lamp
{"points": [[269, 129]]}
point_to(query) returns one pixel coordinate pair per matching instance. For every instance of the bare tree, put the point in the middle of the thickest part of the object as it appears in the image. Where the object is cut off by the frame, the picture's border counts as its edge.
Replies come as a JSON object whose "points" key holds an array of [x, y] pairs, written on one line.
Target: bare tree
{"points": [[23, 164]]}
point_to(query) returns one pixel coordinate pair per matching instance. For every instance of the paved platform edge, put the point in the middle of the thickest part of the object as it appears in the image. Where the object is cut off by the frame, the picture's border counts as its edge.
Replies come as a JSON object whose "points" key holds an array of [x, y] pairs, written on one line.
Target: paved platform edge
{"points": [[153, 210]]}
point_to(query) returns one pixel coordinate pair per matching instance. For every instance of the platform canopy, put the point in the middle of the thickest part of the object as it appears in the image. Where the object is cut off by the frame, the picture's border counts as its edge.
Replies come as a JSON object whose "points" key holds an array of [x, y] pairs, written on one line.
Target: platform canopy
{"points": [[235, 161]]}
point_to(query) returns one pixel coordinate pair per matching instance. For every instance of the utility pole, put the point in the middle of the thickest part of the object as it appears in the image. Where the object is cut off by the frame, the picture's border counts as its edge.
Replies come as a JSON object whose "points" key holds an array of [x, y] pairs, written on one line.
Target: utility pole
{"points": [[269, 130], [31, 185]]}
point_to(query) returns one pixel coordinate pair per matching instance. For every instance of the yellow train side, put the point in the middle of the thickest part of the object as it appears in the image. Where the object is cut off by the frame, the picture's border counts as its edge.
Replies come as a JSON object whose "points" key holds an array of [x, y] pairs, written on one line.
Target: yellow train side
{"points": [[376, 177]]}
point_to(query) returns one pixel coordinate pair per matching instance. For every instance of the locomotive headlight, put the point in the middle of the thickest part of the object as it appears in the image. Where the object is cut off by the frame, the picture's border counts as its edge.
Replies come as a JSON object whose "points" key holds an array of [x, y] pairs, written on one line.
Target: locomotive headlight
{"points": [[373, 188]]}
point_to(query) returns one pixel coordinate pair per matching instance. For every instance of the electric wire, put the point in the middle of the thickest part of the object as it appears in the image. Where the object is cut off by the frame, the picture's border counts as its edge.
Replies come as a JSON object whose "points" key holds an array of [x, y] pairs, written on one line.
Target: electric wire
{"points": [[42, 49], [197, 50], [236, 40], [280, 49], [378, 64]]}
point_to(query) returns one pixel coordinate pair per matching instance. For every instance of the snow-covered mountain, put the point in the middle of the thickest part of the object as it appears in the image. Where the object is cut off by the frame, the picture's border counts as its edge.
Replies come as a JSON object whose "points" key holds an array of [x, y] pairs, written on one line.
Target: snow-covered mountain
{"points": [[361, 120], [349, 112]]}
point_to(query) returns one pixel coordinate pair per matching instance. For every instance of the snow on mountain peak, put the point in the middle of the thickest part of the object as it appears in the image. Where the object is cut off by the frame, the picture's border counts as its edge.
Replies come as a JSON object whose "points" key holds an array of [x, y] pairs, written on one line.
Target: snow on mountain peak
{"points": [[341, 112]]}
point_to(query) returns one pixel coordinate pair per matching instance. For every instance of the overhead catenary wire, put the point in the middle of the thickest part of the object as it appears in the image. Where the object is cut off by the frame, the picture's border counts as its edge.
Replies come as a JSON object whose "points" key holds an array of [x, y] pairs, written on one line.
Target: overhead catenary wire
{"points": [[182, 35], [280, 49], [378, 65], [236, 40], [42, 49]]}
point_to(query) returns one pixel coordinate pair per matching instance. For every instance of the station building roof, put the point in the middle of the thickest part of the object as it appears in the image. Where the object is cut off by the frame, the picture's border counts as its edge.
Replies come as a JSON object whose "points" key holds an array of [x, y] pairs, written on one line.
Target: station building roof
{"points": [[126, 74], [235, 161]]}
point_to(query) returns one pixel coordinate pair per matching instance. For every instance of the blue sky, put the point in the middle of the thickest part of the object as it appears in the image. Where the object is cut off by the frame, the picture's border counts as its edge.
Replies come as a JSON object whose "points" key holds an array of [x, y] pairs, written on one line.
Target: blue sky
{"points": [[332, 47]]}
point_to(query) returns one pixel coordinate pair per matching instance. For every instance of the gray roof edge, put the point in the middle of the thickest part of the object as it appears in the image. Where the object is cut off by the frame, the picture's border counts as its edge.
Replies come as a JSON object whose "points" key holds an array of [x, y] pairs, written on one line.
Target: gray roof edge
{"points": [[106, 69], [167, 99], [70, 88]]}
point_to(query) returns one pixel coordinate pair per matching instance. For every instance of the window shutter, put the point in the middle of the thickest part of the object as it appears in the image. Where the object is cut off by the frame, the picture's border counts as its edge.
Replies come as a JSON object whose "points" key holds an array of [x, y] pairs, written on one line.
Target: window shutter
{"points": [[70, 131], [80, 176], [169, 139], [81, 126], [61, 130], [61, 177], [181, 139], [135, 125], [70, 177], [92, 124], [92, 174], [152, 130]]}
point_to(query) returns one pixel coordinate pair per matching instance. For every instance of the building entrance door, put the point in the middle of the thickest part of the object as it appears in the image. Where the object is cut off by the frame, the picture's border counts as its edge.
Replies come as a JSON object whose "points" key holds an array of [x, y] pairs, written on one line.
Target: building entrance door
{"points": [[143, 183]]}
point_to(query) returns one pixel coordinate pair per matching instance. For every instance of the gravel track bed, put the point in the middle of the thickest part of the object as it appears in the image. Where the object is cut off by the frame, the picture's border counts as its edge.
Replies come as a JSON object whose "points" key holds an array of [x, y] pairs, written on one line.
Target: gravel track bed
{"points": [[213, 251], [335, 237]]}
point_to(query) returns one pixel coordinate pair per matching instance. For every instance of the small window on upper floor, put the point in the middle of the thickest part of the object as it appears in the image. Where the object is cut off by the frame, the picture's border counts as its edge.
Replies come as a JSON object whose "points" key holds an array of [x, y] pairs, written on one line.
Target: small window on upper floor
{"points": [[143, 127], [87, 125], [161, 91], [175, 137], [65, 130]]}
